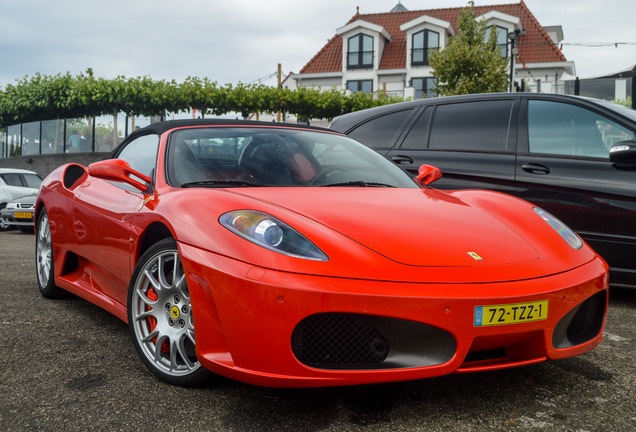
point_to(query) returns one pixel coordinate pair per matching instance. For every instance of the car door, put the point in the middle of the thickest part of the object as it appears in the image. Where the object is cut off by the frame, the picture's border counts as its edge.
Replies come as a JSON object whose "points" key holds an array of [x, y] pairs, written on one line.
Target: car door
{"points": [[472, 142], [103, 211], [563, 166]]}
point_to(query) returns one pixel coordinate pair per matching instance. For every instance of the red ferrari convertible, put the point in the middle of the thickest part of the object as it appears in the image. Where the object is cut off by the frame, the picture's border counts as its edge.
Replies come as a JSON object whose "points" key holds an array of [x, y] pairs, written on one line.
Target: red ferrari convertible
{"points": [[291, 256]]}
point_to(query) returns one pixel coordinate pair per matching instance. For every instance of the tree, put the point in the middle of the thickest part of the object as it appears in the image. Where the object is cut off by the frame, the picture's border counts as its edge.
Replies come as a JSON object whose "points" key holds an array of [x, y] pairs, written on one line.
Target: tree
{"points": [[470, 63]]}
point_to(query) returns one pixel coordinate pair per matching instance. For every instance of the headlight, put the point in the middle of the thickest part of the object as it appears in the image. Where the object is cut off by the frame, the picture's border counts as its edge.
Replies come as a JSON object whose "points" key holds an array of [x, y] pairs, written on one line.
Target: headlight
{"points": [[568, 235], [12, 205], [271, 233]]}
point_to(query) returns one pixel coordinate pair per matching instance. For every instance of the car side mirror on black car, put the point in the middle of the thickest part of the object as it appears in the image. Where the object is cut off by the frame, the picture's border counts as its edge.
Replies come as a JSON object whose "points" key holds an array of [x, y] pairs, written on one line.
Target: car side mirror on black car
{"points": [[623, 152]]}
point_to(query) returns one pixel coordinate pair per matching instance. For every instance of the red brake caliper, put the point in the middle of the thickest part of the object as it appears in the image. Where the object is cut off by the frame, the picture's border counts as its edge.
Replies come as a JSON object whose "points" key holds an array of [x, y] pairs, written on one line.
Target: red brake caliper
{"points": [[152, 295]]}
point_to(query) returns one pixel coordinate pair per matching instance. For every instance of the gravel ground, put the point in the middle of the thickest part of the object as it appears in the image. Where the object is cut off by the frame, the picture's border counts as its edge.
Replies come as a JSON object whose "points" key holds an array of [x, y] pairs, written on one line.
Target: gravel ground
{"points": [[67, 364]]}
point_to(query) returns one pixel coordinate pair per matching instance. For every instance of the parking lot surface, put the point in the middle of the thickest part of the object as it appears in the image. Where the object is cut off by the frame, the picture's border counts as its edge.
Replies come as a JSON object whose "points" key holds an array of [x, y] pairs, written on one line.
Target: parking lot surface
{"points": [[66, 364]]}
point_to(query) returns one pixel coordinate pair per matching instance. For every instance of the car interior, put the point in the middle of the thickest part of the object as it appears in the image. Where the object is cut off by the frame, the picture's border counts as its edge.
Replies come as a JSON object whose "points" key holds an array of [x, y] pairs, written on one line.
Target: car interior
{"points": [[262, 160]]}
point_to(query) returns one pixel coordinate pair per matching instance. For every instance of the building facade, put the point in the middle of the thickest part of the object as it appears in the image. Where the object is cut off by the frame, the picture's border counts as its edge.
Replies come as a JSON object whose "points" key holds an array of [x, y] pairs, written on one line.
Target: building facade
{"points": [[388, 52]]}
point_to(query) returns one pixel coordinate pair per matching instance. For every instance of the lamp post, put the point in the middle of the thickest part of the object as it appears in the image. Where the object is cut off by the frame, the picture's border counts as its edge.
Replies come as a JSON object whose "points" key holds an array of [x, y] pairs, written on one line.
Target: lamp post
{"points": [[513, 52], [513, 37]]}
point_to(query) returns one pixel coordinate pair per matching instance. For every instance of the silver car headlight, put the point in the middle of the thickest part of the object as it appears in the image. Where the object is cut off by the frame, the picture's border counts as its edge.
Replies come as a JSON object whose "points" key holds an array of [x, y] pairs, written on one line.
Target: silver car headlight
{"points": [[12, 205], [271, 233], [568, 235]]}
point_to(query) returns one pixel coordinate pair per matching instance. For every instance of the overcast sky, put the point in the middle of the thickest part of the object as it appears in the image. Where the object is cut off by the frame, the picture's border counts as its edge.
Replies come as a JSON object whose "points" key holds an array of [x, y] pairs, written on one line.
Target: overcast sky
{"points": [[233, 41]]}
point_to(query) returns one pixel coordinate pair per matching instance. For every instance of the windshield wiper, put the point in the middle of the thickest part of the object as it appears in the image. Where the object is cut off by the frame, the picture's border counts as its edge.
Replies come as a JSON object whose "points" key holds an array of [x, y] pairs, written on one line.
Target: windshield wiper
{"points": [[358, 183], [220, 183]]}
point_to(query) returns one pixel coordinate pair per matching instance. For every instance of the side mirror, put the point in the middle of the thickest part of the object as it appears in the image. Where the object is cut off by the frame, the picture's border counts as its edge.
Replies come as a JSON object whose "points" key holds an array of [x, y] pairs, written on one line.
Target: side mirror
{"points": [[428, 174], [118, 170], [623, 152]]}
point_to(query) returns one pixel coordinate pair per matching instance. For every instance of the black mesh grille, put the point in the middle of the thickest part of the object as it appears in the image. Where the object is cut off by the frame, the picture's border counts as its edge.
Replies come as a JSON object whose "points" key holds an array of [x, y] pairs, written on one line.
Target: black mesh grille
{"points": [[588, 320], [339, 341]]}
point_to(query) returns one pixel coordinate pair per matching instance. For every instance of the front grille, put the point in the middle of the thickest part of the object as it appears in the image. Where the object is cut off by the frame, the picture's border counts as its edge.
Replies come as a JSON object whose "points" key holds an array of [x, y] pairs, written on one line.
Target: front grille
{"points": [[339, 341], [25, 206]]}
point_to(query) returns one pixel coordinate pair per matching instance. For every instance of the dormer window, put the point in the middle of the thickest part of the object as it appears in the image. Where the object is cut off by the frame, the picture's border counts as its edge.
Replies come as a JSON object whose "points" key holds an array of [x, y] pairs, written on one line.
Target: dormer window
{"points": [[423, 44], [502, 24], [360, 52], [502, 39]]}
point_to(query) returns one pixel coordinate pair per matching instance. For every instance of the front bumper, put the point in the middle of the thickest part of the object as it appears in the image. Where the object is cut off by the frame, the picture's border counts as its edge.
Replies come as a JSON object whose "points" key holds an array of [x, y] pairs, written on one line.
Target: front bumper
{"points": [[9, 216], [279, 329]]}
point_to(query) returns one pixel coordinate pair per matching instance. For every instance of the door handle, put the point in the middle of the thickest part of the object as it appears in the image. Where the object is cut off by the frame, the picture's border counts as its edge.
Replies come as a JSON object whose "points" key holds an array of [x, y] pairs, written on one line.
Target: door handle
{"points": [[533, 168], [402, 160]]}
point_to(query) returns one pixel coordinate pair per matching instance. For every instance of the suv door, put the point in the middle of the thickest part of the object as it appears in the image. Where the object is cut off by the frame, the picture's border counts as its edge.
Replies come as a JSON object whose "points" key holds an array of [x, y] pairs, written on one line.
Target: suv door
{"points": [[563, 166], [473, 142]]}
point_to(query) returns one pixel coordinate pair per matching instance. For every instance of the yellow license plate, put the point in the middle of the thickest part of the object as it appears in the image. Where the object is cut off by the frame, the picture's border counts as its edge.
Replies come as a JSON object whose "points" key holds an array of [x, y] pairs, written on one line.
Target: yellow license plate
{"points": [[510, 313], [22, 215]]}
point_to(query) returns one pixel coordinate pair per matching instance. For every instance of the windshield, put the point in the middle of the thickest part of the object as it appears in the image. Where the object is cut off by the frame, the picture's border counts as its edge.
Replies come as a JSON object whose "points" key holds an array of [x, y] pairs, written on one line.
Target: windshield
{"points": [[271, 156]]}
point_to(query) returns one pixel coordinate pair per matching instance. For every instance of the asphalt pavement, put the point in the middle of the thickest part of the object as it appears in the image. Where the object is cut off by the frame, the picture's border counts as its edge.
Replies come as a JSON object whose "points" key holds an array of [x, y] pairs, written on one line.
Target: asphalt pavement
{"points": [[68, 365]]}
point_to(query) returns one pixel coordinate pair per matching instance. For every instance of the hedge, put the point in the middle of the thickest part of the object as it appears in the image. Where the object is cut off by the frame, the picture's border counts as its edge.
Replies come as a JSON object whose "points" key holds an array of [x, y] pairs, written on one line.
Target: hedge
{"points": [[43, 97]]}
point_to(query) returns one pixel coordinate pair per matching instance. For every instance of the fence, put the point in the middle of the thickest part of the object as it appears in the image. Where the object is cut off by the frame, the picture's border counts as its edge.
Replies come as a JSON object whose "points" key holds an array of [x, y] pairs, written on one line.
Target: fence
{"points": [[81, 135], [613, 89]]}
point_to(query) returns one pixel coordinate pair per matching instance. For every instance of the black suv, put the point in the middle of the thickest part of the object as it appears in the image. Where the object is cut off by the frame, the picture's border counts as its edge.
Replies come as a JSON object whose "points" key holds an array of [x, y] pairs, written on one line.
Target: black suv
{"points": [[573, 156]]}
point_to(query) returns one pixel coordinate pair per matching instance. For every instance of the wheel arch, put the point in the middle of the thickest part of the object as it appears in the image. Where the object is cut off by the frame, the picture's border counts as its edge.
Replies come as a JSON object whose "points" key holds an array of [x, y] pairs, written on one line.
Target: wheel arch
{"points": [[153, 233], [39, 205]]}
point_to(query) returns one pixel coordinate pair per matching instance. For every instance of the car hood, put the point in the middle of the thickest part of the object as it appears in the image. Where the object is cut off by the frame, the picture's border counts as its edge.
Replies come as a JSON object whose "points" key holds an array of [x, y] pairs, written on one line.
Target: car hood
{"points": [[415, 227]]}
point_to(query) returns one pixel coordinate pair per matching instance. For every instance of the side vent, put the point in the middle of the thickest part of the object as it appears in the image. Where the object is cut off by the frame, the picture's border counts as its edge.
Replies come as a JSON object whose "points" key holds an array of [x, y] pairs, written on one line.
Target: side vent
{"points": [[73, 175], [581, 324]]}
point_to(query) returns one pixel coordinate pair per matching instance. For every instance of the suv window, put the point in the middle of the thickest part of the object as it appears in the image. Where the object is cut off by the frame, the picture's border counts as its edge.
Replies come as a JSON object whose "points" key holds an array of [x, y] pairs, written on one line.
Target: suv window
{"points": [[472, 126], [565, 129], [416, 139], [379, 132]]}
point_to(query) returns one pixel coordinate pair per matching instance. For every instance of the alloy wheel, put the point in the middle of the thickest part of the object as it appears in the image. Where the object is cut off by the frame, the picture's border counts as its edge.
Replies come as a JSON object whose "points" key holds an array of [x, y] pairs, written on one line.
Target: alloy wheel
{"points": [[44, 252], [161, 316]]}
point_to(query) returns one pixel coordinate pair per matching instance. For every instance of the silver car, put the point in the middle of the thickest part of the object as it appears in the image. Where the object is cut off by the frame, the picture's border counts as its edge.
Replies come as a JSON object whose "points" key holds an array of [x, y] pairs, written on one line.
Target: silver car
{"points": [[15, 183], [19, 213]]}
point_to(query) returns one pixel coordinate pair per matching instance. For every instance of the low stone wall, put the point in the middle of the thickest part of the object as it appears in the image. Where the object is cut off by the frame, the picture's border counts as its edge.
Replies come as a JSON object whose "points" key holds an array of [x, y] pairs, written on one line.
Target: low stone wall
{"points": [[44, 164]]}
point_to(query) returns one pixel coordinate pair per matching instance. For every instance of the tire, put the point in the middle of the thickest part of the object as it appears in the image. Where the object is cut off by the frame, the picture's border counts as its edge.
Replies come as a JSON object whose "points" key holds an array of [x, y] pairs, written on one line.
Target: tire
{"points": [[45, 266], [160, 317], [4, 225]]}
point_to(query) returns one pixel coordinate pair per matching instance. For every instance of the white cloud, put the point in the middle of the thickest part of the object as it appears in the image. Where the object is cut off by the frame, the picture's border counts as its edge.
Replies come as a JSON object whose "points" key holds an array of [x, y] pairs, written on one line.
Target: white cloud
{"points": [[243, 40]]}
